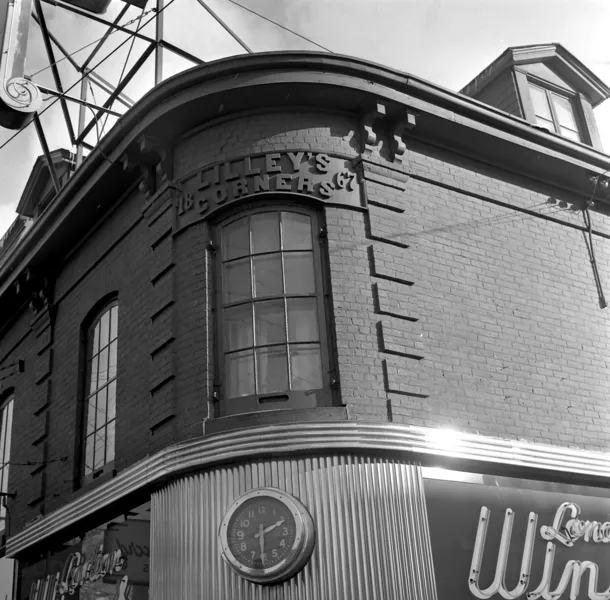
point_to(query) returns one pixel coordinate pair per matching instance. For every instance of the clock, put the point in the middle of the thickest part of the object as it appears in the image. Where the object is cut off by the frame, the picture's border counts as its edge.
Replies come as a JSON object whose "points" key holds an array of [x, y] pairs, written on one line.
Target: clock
{"points": [[267, 535]]}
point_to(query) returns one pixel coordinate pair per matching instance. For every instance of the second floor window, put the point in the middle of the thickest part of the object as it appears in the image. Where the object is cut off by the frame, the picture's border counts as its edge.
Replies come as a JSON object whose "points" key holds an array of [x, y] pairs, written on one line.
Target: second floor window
{"points": [[100, 390], [6, 424], [555, 112], [272, 312]]}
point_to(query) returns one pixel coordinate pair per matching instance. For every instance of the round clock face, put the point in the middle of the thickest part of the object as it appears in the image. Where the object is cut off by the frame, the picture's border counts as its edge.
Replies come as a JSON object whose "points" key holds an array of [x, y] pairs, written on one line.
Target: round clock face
{"points": [[267, 535]]}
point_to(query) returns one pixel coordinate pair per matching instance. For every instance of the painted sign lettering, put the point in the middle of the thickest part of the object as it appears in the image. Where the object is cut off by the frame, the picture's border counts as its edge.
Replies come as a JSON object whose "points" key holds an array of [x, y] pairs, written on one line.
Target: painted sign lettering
{"points": [[315, 174]]}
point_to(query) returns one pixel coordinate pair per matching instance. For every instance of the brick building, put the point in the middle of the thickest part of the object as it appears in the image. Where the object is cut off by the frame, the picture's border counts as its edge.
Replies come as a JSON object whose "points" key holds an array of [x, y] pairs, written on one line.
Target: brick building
{"points": [[300, 324]]}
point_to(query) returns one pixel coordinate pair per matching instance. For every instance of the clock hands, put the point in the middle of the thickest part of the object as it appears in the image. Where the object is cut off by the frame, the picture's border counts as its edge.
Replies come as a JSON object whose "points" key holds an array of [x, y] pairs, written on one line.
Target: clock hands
{"points": [[272, 527], [263, 530], [261, 536]]}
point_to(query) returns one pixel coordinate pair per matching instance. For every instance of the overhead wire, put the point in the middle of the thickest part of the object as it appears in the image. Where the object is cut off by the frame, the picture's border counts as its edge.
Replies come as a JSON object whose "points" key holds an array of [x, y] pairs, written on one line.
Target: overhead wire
{"points": [[71, 54], [51, 104], [281, 26]]}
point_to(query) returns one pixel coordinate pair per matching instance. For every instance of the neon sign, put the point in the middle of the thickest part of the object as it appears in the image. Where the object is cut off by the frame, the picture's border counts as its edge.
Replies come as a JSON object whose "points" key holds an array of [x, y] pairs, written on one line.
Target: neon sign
{"points": [[566, 530], [77, 571]]}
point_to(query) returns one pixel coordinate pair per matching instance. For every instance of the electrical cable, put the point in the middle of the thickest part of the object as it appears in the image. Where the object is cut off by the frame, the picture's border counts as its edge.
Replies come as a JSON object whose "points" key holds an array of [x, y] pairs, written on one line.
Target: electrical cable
{"points": [[80, 80], [133, 39], [71, 54], [281, 26]]}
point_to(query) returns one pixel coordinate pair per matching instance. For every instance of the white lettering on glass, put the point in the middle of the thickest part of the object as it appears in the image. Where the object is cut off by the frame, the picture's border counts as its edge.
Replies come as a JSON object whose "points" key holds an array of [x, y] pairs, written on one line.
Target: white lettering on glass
{"points": [[76, 572]]}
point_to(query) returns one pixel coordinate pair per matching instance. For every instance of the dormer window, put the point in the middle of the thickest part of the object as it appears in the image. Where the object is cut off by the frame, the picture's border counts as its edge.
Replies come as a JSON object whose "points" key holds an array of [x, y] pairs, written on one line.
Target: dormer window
{"points": [[554, 112], [546, 86]]}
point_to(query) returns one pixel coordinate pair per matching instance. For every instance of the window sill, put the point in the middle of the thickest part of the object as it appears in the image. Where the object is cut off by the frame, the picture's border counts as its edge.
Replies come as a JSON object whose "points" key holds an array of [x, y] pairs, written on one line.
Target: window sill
{"points": [[104, 474], [274, 417]]}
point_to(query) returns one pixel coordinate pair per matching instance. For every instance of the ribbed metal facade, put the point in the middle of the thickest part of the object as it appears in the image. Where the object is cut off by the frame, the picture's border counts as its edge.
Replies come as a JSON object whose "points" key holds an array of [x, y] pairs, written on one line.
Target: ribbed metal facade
{"points": [[370, 518]]}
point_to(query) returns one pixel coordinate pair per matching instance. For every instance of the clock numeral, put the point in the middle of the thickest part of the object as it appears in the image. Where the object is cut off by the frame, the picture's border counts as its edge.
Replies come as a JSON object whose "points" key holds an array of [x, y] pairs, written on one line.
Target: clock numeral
{"points": [[284, 530], [251, 513], [261, 510], [263, 557], [244, 546], [245, 523], [240, 535], [275, 553], [253, 553], [283, 543]]}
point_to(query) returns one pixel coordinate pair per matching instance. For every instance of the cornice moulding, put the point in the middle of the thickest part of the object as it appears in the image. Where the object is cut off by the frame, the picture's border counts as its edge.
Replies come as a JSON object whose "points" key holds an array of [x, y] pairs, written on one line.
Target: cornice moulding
{"points": [[395, 441]]}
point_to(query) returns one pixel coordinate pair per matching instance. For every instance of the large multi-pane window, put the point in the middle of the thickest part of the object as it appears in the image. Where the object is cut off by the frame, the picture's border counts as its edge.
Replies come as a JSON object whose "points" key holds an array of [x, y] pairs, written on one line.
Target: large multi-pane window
{"points": [[6, 422], [555, 112], [272, 326], [100, 388]]}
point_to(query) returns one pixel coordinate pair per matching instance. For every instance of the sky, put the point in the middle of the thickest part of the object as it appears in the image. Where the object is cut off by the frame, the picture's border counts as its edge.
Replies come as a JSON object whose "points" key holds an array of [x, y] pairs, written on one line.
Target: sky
{"points": [[447, 42]]}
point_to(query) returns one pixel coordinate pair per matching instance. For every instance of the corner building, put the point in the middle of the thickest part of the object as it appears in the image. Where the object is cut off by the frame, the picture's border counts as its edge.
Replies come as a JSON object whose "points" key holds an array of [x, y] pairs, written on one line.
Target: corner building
{"points": [[305, 327]]}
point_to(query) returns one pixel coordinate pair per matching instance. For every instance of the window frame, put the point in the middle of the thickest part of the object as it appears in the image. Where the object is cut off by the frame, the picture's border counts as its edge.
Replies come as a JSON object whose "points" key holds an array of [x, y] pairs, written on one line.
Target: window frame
{"points": [[89, 325], [296, 399], [6, 408], [574, 100]]}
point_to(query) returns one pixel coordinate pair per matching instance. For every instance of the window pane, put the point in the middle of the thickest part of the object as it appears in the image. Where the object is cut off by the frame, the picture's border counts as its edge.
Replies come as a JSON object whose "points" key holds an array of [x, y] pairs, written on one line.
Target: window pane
{"points": [[89, 454], [100, 446], [296, 231], [302, 320], [544, 123], [8, 417], [272, 367], [93, 384], [96, 339], [270, 322], [102, 376], [112, 361], [235, 239], [565, 112], [104, 329], [237, 327], [265, 231], [111, 412], [267, 275], [91, 414], [100, 409], [540, 102], [110, 442], [306, 367], [239, 374], [299, 273], [114, 322], [236, 281], [571, 135]]}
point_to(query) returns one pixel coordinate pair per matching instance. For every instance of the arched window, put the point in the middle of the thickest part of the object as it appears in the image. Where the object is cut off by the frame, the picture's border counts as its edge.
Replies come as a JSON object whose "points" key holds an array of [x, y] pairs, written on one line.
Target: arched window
{"points": [[272, 330], [100, 389], [6, 424]]}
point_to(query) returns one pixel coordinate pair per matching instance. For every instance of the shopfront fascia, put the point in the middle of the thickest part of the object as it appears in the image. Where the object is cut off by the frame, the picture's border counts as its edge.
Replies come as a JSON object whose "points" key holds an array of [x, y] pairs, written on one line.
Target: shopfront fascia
{"points": [[384, 526]]}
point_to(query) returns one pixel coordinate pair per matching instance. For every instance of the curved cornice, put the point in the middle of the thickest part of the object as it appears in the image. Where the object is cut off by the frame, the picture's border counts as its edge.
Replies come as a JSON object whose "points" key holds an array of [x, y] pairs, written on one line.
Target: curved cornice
{"points": [[313, 438]]}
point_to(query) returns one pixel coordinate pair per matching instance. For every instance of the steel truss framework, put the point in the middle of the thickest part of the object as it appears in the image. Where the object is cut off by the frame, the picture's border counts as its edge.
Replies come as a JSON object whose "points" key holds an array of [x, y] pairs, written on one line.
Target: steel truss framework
{"points": [[117, 101]]}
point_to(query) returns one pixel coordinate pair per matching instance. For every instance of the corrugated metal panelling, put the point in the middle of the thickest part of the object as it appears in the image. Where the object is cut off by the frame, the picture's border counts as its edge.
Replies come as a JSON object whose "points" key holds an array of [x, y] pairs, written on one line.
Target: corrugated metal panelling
{"points": [[371, 525]]}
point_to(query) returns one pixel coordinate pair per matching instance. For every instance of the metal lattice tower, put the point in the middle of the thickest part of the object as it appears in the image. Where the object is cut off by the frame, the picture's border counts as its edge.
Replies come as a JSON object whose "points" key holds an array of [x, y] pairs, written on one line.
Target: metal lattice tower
{"points": [[131, 39]]}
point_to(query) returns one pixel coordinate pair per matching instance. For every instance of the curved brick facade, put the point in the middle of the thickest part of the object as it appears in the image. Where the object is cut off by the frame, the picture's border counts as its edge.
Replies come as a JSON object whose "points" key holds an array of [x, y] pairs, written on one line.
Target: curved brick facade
{"points": [[459, 291]]}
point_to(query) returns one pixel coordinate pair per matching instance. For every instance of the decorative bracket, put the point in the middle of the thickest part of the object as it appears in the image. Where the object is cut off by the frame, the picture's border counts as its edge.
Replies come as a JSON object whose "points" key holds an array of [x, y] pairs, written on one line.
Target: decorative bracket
{"points": [[369, 137], [41, 297], [19, 97], [154, 161], [399, 134]]}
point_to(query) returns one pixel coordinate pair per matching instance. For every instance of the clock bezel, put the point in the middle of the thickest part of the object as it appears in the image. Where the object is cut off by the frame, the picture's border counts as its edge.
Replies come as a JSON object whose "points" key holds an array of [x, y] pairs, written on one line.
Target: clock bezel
{"points": [[298, 555]]}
